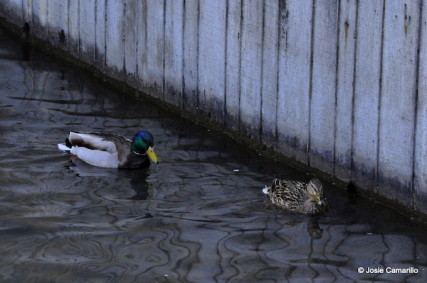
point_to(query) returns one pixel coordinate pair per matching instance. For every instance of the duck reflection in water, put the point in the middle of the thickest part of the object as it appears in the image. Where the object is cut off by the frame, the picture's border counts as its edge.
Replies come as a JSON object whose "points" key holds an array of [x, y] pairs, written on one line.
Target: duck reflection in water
{"points": [[142, 189], [313, 228], [25, 42]]}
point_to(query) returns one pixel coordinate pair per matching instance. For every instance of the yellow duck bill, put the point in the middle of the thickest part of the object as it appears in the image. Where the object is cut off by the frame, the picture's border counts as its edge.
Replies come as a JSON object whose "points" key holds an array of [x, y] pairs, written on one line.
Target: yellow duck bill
{"points": [[152, 155]]}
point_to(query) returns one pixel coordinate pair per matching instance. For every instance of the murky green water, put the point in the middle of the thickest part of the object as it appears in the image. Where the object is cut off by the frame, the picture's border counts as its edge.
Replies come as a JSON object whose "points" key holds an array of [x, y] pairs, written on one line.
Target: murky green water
{"points": [[193, 218]]}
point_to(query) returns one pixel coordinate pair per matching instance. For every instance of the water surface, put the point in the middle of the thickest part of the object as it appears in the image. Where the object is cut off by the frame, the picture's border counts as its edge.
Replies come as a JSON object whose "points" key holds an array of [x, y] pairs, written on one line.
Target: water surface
{"points": [[199, 216]]}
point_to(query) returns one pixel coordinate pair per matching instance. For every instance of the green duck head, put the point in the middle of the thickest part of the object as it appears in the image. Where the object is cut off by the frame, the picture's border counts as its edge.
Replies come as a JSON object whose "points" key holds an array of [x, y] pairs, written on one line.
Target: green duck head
{"points": [[143, 143]]}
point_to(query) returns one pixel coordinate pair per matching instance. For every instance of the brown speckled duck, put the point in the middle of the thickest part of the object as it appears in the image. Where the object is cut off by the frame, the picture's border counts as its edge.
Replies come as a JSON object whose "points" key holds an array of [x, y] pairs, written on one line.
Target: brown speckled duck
{"points": [[297, 197]]}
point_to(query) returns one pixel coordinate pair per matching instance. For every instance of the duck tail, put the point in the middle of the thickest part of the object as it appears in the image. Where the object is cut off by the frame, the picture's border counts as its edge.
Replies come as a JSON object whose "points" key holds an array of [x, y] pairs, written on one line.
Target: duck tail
{"points": [[265, 190], [63, 147]]}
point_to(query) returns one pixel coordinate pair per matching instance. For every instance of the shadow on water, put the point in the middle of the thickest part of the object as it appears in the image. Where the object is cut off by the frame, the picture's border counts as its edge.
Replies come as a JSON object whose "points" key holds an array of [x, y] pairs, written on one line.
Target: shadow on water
{"points": [[199, 216]]}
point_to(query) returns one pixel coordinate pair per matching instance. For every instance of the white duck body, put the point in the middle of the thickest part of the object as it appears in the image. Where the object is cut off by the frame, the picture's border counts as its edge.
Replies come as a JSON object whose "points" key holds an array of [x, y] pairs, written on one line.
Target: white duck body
{"points": [[105, 156]]}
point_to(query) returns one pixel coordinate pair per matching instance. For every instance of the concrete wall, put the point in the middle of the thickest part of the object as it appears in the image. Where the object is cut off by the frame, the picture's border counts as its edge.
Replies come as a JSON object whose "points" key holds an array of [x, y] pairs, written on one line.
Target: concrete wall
{"points": [[339, 86]]}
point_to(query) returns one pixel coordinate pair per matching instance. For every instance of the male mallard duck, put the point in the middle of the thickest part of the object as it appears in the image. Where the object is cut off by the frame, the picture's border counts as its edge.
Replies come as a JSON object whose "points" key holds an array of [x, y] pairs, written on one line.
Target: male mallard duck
{"points": [[112, 151], [295, 196]]}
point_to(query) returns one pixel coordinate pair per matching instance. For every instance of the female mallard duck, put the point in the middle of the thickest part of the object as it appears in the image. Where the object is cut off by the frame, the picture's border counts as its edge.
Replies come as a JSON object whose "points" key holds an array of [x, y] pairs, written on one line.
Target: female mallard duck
{"points": [[112, 151], [299, 197]]}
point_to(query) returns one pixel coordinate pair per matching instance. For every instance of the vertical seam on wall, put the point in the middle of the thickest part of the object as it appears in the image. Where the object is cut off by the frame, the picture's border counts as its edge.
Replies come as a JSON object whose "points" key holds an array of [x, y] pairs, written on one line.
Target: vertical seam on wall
{"points": [[353, 94], [67, 32], [145, 55], [66, 29], [31, 20], [310, 88], [95, 52], [417, 79], [225, 65], [181, 99], [197, 98], [337, 77], [379, 99], [47, 22], [136, 30], [240, 62], [22, 13], [78, 28], [262, 73], [276, 130], [32, 16], [184, 46], [105, 33], [67, 41], [46, 32], [164, 50], [123, 38]]}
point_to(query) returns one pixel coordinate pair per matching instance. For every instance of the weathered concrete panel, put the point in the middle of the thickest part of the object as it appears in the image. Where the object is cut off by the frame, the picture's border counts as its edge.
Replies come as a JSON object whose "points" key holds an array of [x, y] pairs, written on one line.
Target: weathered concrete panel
{"points": [[322, 107], [269, 78], [396, 148], [211, 64], [87, 30], [100, 34], [293, 108], [367, 92], [141, 39], [13, 10], [58, 23], [130, 41], [174, 57], [73, 37], [40, 18], [420, 182], [232, 68], [152, 54], [251, 68], [190, 54], [344, 96], [114, 39], [27, 12]]}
